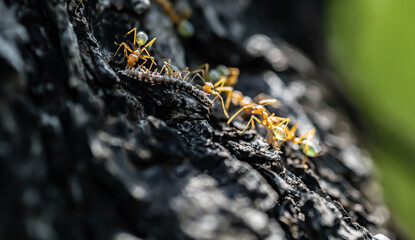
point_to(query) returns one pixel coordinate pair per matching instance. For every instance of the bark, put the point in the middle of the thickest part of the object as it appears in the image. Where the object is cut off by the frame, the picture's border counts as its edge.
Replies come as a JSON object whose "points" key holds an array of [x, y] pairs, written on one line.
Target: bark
{"points": [[88, 153]]}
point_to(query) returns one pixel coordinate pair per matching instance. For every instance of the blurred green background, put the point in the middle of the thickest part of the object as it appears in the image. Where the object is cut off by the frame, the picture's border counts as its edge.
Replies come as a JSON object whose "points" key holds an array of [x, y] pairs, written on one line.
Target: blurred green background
{"points": [[372, 47]]}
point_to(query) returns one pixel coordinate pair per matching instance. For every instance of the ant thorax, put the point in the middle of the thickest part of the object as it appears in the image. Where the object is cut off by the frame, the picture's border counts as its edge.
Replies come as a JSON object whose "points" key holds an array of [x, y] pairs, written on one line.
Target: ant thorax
{"points": [[258, 109], [273, 120]]}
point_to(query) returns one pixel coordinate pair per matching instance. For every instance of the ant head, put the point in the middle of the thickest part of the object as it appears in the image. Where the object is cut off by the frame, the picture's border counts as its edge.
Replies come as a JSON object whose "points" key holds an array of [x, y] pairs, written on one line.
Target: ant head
{"points": [[208, 87], [141, 38], [309, 148], [279, 133]]}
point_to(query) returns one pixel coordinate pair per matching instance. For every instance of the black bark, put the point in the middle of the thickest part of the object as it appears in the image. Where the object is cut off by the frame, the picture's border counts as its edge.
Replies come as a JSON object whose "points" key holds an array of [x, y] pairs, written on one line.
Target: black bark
{"points": [[86, 153]]}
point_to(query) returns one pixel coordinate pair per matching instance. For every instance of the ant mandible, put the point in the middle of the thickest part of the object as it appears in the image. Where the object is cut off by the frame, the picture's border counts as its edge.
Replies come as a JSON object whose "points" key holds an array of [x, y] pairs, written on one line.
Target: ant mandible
{"points": [[139, 39]]}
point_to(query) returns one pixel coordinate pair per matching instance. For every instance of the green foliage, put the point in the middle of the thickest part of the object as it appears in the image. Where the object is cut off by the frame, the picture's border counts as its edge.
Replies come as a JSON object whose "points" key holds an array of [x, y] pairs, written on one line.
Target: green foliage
{"points": [[372, 44]]}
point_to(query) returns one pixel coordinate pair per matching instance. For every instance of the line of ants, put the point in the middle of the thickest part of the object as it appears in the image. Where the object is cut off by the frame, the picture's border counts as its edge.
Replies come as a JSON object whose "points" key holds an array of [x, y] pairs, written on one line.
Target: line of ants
{"points": [[222, 80]]}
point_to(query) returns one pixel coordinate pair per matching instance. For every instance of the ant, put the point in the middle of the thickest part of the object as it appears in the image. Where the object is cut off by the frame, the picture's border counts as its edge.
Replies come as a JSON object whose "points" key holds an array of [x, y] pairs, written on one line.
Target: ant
{"points": [[172, 71], [249, 106], [237, 98], [228, 77], [208, 87], [227, 74], [184, 27], [225, 78], [305, 141], [215, 89], [275, 125], [140, 39]]}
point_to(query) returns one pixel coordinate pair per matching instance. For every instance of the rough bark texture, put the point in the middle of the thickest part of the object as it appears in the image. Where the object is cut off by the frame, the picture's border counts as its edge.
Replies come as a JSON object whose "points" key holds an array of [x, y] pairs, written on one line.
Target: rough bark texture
{"points": [[86, 153]]}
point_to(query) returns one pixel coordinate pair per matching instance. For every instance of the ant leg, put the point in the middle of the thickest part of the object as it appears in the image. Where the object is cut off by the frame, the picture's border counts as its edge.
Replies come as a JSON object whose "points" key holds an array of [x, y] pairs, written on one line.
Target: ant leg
{"points": [[251, 121], [233, 76], [148, 45], [312, 132], [293, 129], [204, 69], [223, 104], [163, 68], [267, 139], [145, 60], [152, 62], [197, 75], [220, 83], [285, 120], [239, 111], [145, 51], [229, 91], [196, 72], [126, 47], [135, 35], [304, 162], [228, 99], [169, 68], [289, 135], [186, 75], [184, 79], [266, 102]]}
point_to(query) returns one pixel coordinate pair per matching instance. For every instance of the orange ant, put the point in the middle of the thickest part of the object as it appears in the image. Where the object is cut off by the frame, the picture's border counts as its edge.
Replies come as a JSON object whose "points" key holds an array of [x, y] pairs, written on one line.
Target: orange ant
{"points": [[305, 141], [222, 76], [237, 98], [174, 72], [208, 87], [275, 125], [215, 89], [228, 77], [140, 38], [184, 27], [249, 106], [225, 79]]}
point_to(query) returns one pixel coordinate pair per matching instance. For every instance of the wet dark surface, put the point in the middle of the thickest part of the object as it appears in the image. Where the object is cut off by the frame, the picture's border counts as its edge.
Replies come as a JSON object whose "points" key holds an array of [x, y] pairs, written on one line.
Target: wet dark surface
{"points": [[86, 153]]}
